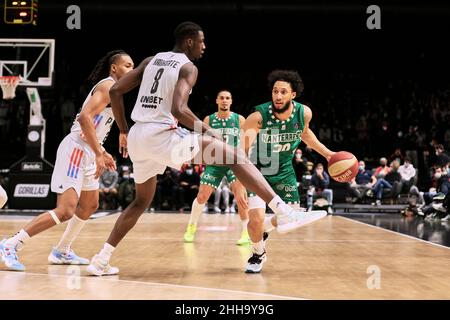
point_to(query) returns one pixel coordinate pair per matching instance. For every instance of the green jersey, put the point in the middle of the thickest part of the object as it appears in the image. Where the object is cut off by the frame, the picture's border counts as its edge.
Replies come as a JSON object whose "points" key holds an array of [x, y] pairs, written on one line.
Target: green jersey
{"points": [[278, 139], [229, 127]]}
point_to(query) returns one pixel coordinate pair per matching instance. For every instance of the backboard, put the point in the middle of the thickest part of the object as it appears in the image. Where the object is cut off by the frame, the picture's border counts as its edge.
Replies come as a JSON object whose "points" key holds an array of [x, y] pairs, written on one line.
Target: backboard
{"points": [[32, 59]]}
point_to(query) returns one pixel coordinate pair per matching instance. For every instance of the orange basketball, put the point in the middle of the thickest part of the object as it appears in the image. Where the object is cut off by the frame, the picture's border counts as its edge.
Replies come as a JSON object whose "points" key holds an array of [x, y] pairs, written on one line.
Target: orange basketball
{"points": [[343, 166]]}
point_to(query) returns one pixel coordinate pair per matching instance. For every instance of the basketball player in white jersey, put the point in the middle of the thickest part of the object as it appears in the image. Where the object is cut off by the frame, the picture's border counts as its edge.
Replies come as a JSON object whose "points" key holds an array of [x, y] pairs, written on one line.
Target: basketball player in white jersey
{"points": [[3, 197], [80, 161], [155, 141]]}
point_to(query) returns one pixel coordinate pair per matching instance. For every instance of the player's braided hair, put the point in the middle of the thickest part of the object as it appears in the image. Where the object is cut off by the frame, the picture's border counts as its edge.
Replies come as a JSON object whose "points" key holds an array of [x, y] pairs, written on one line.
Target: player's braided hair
{"points": [[103, 66], [185, 30], [288, 76]]}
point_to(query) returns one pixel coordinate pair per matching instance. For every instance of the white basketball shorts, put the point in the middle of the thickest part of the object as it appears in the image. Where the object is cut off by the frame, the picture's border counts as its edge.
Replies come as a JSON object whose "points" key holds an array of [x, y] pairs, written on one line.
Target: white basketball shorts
{"points": [[153, 147], [74, 167]]}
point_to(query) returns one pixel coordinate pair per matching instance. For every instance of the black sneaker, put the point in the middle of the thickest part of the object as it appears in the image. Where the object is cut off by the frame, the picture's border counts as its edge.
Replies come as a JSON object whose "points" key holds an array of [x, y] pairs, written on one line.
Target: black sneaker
{"points": [[254, 264]]}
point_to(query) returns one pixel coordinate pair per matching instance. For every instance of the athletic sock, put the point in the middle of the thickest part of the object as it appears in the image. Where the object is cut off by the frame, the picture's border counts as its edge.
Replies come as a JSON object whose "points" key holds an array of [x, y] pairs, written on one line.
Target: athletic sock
{"points": [[244, 224], [73, 229], [18, 240], [196, 211], [278, 206], [258, 247], [107, 251]]}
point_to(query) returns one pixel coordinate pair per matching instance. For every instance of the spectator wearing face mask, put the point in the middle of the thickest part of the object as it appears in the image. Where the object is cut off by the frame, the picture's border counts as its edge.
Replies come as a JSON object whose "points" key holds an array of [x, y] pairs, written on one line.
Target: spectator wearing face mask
{"points": [[408, 174], [320, 181], [189, 182], [382, 170]]}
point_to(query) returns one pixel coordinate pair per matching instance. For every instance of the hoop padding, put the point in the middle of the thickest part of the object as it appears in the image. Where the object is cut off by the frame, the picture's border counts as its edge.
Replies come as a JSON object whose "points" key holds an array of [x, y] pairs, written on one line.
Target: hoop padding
{"points": [[9, 85]]}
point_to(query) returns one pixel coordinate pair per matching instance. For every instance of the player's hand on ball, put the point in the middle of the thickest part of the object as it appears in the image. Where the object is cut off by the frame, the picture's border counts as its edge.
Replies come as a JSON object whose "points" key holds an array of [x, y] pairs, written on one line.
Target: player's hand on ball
{"points": [[123, 143]]}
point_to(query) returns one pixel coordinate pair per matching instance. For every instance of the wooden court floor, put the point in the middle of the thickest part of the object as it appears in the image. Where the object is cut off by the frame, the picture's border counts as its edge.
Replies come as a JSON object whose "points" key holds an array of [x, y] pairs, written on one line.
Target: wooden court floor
{"points": [[335, 258]]}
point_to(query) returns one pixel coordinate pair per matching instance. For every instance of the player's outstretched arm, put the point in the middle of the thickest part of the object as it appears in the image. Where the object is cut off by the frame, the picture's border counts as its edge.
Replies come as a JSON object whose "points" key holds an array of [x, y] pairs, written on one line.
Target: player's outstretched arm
{"points": [[250, 130], [310, 138], [127, 83]]}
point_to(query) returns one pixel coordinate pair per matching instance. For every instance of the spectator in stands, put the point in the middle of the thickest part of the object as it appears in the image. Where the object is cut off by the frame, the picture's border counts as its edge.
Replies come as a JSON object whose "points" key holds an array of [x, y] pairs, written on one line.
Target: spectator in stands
{"points": [[127, 191], [442, 158], [382, 170], [440, 184], [189, 182], [408, 173], [391, 181], [108, 184], [166, 191], [224, 191], [363, 181], [397, 155], [320, 181]]}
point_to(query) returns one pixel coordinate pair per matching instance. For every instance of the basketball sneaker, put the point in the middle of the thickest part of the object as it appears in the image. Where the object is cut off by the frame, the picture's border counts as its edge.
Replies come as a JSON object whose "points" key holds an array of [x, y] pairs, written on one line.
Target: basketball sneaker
{"points": [[296, 219], [10, 258], [189, 235], [100, 267], [69, 257], [255, 263], [244, 240]]}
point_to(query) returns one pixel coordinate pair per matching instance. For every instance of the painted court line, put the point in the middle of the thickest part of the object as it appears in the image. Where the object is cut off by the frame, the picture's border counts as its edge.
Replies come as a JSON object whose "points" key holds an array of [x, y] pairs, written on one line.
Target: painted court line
{"points": [[157, 284]]}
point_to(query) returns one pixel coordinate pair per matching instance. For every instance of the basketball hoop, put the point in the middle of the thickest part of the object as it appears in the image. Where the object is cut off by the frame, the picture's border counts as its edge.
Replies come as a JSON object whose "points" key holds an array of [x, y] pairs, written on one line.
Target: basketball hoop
{"points": [[9, 85]]}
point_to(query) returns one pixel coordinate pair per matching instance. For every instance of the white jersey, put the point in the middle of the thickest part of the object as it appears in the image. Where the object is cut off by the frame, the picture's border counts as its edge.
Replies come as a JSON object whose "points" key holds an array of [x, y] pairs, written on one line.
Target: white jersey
{"points": [[102, 121], [154, 101]]}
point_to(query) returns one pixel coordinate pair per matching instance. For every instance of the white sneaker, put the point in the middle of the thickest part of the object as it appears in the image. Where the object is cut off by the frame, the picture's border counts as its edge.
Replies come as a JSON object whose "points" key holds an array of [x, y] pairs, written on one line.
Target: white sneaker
{"points": [[446, 218], [227, 210], [217, 209], [296, 219], [330, 210], [255, 263], [205, 209], [233, 209], [101, 267], [438, 207]]}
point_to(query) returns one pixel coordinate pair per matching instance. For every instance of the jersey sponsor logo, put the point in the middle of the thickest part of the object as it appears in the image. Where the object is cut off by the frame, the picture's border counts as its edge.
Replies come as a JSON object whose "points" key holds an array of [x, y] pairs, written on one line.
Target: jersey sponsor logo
{"points": [[269, 123], [207, 176], [285, 187], [288, 195], [230, 131], [31, 190], [281, 137], [296, 126]]}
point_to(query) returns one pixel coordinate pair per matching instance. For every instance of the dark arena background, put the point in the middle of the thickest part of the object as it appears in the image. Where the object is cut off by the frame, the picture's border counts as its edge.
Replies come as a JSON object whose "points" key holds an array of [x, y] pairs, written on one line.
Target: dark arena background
{"points": [[377, 82]]}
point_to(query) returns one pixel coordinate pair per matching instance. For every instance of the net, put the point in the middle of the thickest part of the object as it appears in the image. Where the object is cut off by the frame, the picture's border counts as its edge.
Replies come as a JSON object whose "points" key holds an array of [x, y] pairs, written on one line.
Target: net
{"points": [[9, 85]]}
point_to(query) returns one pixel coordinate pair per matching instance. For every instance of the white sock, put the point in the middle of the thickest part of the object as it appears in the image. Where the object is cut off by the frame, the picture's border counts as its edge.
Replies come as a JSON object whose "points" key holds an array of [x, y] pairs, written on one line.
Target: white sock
{"points": [[106, 251], [258, 247], [196, 211], [278, 206], [244, 224], [72, 230], [268, 226], [18, 240]]}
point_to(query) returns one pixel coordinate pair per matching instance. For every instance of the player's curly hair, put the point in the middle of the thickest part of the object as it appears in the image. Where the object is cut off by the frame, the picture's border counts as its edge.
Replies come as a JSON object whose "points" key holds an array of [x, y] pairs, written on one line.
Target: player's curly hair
{"points": [[290, 76], [185, 30], [103, 66]]}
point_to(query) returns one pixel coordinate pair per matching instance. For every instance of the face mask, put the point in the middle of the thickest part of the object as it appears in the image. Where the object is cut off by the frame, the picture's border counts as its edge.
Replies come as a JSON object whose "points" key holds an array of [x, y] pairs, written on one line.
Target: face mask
{"points": [[298, 156], [361, 168], [189, 171], [406, 165], [126, 176], [437, 175]]}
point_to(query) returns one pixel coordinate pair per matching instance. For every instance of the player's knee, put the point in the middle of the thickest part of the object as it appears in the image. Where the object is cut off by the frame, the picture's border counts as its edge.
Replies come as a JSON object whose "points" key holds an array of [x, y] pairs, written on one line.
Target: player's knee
{"points": [[202, 197], [91, 207], [141, 204], [65, 213]]}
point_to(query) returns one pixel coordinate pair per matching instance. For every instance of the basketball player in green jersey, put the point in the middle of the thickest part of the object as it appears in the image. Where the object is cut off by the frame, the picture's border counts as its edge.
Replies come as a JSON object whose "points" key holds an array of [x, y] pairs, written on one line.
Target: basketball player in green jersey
{"points": [[229, 124], [276, 128]]}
